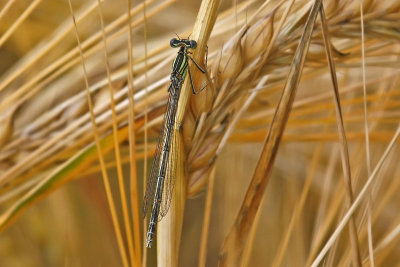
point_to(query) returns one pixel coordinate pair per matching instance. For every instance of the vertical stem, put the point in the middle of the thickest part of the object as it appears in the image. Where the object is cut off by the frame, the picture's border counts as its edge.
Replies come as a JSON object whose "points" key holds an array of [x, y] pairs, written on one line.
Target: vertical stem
{"points": [[206, 220], [343, 141], [169, 229], [367, 149], [232, 250], [106, 179], [132, 151]]}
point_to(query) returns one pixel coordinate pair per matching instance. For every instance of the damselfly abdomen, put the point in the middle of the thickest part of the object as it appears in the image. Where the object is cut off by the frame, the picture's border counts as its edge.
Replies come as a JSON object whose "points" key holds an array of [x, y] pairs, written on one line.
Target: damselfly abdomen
{"points": [[162, 176]]}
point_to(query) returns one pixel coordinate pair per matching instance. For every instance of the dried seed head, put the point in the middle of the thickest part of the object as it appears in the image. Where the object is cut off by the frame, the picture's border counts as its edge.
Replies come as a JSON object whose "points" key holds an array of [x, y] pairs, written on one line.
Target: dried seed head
{"points": [[257, 38], [189, 126], [206, 152], [231, 61], [198, 180]]}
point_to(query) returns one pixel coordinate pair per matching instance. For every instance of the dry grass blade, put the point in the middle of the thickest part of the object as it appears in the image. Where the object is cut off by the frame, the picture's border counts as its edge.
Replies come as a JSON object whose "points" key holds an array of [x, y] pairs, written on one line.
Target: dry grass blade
{"points": [[389, 238], [294, 220], [356, 202], [38, 154], [134, 195], [233, 245], [145, 134], [252, 235], [100, 154], [6, 7], [50, 43], [70, 59], [343, 140], [206, 220], [367, 141], [21, 19], [124, 203]]}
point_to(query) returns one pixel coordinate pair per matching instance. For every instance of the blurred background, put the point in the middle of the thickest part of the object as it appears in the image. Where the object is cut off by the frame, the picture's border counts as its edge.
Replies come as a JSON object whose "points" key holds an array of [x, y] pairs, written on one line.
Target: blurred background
{"points": [[45, 124]]}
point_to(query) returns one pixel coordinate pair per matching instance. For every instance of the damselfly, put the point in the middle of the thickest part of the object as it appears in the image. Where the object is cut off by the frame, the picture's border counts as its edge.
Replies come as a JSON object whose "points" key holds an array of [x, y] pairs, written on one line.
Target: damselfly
{"points": [[162, 176]]}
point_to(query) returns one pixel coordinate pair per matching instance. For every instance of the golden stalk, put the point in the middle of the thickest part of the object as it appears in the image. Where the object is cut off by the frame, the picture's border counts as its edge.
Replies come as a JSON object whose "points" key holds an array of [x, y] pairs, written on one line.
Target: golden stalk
{"points": [[124, 203], [134, 195], [233, 245], [169, 229], [100, 154], [206, 221], [344, 150]]}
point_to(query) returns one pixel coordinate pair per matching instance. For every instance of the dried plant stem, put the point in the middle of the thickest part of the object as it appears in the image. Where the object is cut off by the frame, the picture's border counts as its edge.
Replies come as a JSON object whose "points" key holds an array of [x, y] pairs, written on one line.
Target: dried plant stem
{"points": [[252, 235], [299, 208], [388, 243], [146, 92], [19, 21], [89, 46], [62, 31], [101, 158], [367, 146], [132, 146], [169, 229], [343, 141], [325, 213], [124, 202], [322, 230], [390, 237], [6, 7], [356, 202], [232, 249], [206, 220]]}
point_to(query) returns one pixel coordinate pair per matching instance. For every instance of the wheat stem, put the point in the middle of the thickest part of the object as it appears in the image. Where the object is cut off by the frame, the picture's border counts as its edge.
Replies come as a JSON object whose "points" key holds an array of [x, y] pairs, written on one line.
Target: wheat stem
{"points": [[233, 245], [206, 220], [356, 202], [132, 146], [343, 141], [100, 154], [125, 211], [169, 229]]}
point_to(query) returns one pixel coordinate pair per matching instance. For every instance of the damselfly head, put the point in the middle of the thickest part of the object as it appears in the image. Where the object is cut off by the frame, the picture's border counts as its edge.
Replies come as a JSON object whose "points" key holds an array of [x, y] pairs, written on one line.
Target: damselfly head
{"points": [[191, 44]]}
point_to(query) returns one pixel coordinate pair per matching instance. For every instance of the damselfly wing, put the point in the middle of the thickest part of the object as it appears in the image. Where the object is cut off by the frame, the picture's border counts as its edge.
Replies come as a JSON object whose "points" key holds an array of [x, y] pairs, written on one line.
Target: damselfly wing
{"points": [[161, 182]]}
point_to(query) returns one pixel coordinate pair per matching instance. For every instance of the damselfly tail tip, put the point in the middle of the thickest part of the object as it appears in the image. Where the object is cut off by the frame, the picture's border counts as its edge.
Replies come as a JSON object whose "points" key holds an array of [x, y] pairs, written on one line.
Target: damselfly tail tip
{"points": [[149, 239], [148, 243]]}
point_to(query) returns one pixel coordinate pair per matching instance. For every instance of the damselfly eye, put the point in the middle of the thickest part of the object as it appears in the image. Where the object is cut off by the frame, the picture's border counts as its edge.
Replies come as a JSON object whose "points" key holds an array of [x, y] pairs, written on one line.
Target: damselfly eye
{"points": [[174, 42], [193, 44]]}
